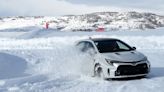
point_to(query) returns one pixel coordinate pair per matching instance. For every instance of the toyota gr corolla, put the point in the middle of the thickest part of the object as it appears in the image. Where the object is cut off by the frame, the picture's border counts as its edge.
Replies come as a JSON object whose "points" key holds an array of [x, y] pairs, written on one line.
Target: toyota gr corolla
{"points": [[113, 58]]}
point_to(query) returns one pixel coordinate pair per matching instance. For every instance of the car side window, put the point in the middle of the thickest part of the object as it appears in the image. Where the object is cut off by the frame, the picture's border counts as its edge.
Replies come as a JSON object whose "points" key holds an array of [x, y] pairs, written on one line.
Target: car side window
{"points": [[81, 46], [89, 46], [85, 46]]}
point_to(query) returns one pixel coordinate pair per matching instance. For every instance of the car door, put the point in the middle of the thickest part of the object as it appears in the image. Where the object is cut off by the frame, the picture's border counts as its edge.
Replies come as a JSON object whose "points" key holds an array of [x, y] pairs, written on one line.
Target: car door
{"points": [[88, 49]]}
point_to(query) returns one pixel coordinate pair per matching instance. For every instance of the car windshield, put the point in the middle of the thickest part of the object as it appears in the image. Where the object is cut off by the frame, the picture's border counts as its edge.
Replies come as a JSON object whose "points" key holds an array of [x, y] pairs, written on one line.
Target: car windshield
{"points": [[112, 46]]}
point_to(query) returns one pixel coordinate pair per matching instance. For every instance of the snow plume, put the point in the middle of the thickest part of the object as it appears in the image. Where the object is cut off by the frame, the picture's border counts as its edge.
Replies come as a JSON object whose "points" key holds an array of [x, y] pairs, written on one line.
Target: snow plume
{"points": [[55, 57], [58, 62]]}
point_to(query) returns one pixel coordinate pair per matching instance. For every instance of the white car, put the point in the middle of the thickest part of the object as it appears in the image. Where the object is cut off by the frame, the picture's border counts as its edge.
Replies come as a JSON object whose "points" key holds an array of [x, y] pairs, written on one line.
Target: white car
{"points": [[112, 58]]}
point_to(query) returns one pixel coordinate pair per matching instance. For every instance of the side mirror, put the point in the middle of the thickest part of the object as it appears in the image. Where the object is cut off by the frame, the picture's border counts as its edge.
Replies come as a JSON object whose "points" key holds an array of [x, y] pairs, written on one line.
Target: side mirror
{"points": [[134, 48]]}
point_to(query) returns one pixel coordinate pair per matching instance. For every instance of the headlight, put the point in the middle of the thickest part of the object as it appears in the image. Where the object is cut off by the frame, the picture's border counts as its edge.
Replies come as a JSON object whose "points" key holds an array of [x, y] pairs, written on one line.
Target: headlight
{"points": [[144, 59]]}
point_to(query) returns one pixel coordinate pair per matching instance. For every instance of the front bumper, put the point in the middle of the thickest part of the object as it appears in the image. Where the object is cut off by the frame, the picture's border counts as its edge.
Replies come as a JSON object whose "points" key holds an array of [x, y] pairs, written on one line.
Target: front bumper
{"points": [[128, 70]]}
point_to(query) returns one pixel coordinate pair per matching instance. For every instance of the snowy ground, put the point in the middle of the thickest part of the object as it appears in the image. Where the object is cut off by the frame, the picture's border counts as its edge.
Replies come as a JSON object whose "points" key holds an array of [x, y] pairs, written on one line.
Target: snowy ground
{"points": [[47, 61]]}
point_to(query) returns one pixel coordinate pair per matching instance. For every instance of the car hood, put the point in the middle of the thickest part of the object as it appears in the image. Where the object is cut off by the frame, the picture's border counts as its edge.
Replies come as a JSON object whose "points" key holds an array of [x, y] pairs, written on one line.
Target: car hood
{"points": [[128, 56]]}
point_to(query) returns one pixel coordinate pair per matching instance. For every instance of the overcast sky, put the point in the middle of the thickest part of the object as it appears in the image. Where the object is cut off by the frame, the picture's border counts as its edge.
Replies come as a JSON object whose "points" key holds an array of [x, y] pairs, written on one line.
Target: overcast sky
{"points": [[67, 7]]}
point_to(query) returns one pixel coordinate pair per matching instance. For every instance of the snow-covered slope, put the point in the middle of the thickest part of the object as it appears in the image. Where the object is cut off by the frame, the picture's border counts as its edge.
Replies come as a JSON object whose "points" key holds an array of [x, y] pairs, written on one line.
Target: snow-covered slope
{"points": [[47, 61], [110, 21], [113, 21]]}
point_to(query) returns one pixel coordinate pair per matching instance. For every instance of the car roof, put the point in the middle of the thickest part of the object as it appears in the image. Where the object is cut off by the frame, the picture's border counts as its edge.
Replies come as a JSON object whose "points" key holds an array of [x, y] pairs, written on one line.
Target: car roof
{"points": [[97, 39], [102, 39]]}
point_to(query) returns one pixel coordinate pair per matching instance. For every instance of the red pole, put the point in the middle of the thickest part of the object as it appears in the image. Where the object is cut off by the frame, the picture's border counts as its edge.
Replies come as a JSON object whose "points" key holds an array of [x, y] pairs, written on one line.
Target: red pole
{"points": [[100, 29], [47, 25]]}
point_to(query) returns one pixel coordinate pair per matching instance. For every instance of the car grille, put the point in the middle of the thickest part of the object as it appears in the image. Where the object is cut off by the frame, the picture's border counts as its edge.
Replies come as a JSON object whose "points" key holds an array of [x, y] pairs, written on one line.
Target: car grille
{"points": [[123, 70]]}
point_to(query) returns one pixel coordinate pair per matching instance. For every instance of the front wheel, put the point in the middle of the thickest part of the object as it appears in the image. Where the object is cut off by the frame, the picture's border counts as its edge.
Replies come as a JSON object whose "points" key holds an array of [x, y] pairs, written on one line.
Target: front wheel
{"points": [[98, 72]]}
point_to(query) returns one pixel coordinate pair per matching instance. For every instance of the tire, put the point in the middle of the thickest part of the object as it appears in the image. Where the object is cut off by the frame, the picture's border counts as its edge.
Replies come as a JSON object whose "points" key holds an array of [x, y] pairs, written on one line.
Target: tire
{"points": [[98, 72]]}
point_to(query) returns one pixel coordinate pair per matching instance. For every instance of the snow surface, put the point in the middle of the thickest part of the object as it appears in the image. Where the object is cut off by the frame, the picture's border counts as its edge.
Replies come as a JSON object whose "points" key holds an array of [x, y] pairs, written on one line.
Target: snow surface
{"points": [[41, 60]]}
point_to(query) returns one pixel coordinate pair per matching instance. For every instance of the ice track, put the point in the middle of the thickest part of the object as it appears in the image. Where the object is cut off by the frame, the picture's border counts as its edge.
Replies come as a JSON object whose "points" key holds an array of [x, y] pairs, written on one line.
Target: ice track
{"points": [[53, 64]]}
